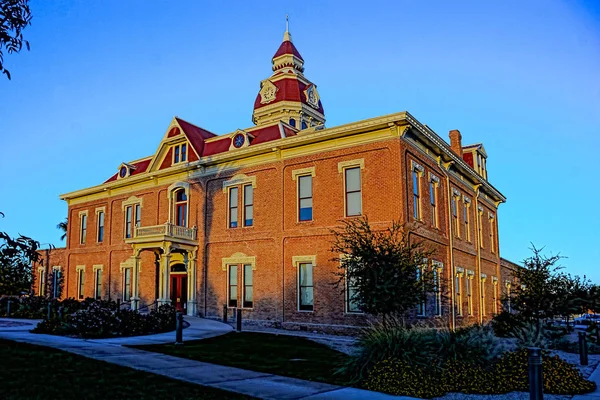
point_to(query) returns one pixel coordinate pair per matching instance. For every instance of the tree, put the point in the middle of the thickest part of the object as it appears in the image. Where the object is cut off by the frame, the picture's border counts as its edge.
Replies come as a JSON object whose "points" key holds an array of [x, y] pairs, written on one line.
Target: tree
{"points": [[17, 256], [387, 272], [63, 226], [15, 15]]}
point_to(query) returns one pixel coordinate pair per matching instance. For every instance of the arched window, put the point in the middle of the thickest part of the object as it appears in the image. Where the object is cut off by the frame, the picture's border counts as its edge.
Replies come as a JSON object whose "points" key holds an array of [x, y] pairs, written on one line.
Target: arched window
{"points": [[293, 122], [181, 208], [304, 125]]}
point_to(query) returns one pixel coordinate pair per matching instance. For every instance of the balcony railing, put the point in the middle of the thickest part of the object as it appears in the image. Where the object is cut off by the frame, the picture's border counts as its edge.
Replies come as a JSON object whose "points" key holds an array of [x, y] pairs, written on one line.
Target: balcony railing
{"points": [[166, 229]]}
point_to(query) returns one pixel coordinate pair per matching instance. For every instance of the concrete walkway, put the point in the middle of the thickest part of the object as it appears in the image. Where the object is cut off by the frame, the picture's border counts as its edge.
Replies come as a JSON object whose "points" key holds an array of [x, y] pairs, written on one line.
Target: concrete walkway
{"points": [[595, 395], [257, 384]]}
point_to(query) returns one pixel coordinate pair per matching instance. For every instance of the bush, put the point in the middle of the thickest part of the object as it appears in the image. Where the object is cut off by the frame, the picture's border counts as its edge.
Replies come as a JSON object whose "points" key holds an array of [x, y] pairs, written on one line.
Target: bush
{"points": [[505, 323], [530, 335], [476, 344], [508, 373], [103, 319]]}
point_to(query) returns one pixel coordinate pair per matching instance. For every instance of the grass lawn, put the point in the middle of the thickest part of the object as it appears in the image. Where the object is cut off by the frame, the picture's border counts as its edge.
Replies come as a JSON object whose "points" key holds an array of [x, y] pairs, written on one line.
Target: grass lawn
{"points": [[276, 354], [35, 372]]}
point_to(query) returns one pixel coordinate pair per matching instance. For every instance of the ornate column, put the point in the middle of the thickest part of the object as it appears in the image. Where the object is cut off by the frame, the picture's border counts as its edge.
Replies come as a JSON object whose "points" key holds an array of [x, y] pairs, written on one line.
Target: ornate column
{"points": [[164, 292], [135, 278], [191, 282]]}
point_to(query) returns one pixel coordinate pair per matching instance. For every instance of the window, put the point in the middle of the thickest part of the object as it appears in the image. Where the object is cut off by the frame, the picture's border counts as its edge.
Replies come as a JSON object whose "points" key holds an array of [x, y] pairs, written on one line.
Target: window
{"points": [[421, 308], [80, 283], [56, 282], [483, 295], [232, 286], [353, 191], [508, 294], [83, 229], [138, 215], [292, 122], [128, 223], [42, 282], [179, 153], [353, 303], [454, 206], [132, 210], [181, 208], [433, 201], [492, 230], [248, 205], [437, 286], [305, 201], [98, 286], [304, 125], [126, 284], [233, 207], [466, 218], [480, 211], [305, 287], [416, 195], [248, 293], [100, 226], [469, 287], [458, 287], [495, 285]]}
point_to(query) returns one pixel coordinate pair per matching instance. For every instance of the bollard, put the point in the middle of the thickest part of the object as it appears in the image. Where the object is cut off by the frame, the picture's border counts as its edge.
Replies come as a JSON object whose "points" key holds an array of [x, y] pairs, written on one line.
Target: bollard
{"points": [[536, 385], [583, 350], [238, 320], [118, 304], [8, 309], [179, 328], [225, 313], [49, 310]]}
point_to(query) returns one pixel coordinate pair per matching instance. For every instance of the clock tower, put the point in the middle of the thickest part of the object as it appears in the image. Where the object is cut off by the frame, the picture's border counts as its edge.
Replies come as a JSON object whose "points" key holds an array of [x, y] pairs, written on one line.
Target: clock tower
{"points": [[287, 95]]}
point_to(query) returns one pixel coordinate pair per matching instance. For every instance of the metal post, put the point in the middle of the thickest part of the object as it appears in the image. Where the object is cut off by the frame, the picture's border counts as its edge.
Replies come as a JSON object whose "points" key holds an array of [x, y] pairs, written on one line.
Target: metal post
{"points": [[536, 385], [8, 309], [179, 328], [238, 320], [225, 313], [583, 350], [49, 310], [118, 304]]}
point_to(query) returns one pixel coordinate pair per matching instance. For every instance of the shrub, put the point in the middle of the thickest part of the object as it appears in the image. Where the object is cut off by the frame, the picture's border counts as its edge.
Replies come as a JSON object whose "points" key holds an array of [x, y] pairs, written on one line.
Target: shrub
{"points": [[530, 335], [476, 344], [398, 377], [505, 323]]}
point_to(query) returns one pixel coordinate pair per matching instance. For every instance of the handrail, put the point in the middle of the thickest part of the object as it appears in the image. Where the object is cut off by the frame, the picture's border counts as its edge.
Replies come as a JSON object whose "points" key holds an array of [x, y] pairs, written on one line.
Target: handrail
{"points": [[166, 229]]}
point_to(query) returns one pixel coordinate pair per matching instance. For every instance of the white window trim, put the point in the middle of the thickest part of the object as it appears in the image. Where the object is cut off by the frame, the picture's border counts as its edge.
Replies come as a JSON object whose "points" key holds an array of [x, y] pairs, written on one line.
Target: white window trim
{"points": [[98, 211], [296, 261], [239, 179], [187, 153], [238, 258], [359, 162], [439, 266], [342, 167], [81, 214], [243, 291], [303, 171], [95, 268], [237, 206], [41, 281], [55, 268], [78, 270]]}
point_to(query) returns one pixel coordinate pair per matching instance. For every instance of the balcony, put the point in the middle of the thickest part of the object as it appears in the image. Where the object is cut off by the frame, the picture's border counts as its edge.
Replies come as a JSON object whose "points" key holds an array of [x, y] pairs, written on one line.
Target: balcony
{"points": [[164, 232]]}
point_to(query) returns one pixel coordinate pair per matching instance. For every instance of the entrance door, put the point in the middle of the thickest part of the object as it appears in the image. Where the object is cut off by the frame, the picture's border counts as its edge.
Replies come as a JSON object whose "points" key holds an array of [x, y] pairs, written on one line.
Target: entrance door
{"points": [[179, 291]]}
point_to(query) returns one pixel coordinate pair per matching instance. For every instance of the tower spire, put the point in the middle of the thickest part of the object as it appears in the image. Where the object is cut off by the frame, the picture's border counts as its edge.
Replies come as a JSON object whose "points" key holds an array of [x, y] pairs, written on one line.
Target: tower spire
{"points": [[287, 36]]}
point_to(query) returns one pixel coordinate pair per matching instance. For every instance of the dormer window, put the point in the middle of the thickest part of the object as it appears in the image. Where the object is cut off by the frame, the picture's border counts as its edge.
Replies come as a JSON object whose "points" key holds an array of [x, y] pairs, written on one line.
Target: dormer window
{"points": [[125, 170], [180, 153]]}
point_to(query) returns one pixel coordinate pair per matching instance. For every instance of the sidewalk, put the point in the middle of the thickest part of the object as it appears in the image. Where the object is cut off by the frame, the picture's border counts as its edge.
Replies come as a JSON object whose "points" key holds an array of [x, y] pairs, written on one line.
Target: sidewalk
{"points": [[595, 395], [257, 384]]}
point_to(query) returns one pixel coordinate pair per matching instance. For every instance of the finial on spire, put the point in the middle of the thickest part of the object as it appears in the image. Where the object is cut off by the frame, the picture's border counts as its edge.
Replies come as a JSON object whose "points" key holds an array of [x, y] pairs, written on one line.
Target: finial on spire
{"points": [[287, 36]]}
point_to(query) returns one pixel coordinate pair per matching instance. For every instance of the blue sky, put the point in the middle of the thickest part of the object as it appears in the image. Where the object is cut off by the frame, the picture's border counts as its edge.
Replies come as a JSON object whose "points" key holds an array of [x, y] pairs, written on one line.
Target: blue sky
{"points": [[103, 80]]}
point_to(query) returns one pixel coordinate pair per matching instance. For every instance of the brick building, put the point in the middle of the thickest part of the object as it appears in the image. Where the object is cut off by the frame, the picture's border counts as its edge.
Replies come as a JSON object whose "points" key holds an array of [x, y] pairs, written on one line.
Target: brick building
{"points": [[244, 218]]}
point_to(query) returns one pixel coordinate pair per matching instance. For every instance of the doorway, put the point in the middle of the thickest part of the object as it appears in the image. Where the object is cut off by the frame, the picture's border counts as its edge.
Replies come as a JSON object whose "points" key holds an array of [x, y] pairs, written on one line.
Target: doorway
{"points": [[179, 287]]}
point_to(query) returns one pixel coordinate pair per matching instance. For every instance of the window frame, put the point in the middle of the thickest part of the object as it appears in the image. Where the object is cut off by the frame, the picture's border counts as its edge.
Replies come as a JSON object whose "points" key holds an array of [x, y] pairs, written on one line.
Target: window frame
{"points": [[349, 192], [480, 226], [492, 222], [98, 282], [230, 301], [308, 307], [231, 207], [80, 283], [454, 211], [100, 226], [41, 281], [483, 310], [438, 269], [180, 153], [300, 198], [127, 284], [56, 275], [469, 293], [495, 294], [422, 305], [433, 202], [458, 293], [245, 285], [83, 216], [467, 217], [247, 205], [349, 296], [181, 205]]}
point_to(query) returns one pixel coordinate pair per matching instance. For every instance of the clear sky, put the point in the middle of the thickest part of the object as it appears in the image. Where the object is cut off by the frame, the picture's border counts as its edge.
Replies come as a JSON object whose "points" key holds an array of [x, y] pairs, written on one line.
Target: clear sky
{"points": [[104, 78]]}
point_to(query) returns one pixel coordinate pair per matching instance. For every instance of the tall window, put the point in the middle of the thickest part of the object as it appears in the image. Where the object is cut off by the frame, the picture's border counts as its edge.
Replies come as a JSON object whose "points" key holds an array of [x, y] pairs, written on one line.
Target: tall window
{"points": [[248, 205], [248, 292], [458, 287], [433, 202], [233, 207], [181, 208], [469, 287], [138, 215], [305, 201], [466, 219], [179, 153], [437, 282], [100, 226], [482, 283], [492, 230], [56, 283], [421, 308], [98, 287], [479, 227], [416, 194], [353, 303], [353, 191], [42, 282], [508, 295], [83, 230], [128, 222], [80, 284], [232, 286], [495, 285], [305, 287], [126, 284], [454, 205]]}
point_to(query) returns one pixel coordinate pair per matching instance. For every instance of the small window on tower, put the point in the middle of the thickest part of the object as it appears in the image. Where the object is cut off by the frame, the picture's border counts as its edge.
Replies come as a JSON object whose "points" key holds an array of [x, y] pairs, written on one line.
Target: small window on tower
{"points": [[304, 126], [293, 122]]}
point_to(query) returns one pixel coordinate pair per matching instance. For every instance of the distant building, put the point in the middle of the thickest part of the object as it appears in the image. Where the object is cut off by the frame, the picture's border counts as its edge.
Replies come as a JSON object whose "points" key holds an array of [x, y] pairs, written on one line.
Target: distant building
{"points": [[243, 219]]}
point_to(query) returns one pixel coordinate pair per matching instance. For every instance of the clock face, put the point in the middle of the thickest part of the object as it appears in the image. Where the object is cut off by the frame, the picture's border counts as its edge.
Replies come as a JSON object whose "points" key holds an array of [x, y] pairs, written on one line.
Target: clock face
{"points": [[123, 172], [238, 140]]}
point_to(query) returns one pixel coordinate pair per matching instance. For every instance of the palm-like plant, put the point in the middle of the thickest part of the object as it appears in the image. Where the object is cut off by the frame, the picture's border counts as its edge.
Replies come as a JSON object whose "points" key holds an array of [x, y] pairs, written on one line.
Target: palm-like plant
{"points": [[63, 227]]}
